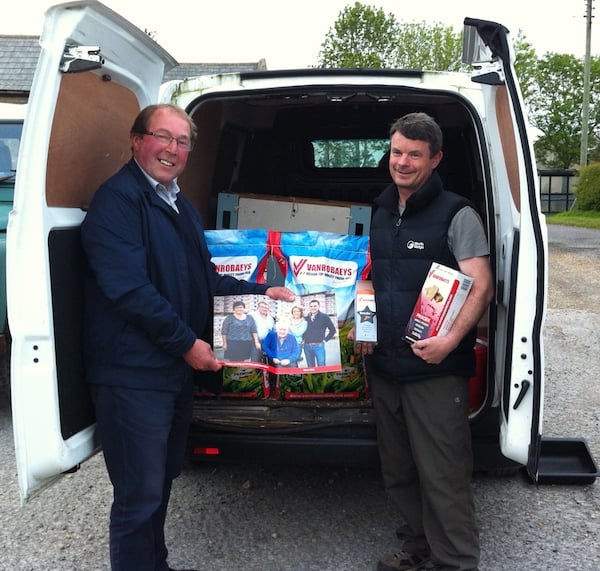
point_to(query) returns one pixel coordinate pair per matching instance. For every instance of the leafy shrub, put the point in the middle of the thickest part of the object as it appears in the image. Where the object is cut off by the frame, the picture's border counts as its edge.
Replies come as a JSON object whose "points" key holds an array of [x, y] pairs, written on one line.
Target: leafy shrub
{"points": [[588, 188]]}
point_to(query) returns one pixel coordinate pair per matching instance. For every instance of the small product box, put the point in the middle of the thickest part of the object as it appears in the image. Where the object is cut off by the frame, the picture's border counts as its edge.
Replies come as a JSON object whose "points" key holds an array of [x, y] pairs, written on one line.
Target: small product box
{"points": [[442, 296], [365, 314]]}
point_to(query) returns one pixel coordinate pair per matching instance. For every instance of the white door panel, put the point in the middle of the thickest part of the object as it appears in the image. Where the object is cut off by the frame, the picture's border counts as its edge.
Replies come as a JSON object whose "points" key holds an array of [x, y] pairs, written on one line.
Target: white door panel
{"points": [[520, 248]]}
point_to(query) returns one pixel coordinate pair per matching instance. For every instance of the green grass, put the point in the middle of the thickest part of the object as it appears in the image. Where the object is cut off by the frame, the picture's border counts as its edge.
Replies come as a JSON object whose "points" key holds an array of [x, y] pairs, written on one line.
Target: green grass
{"points": [[580, 218]]}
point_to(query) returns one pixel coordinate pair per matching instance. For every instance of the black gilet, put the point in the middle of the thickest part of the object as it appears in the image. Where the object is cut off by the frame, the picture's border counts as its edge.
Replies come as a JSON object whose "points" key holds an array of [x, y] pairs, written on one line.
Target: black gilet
{"points": [[402, 250]]}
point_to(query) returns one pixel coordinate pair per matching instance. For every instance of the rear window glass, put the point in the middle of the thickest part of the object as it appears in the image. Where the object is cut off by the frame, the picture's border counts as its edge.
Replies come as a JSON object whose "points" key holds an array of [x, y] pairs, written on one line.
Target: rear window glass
{"points": [[349, 153], [10, 138]]}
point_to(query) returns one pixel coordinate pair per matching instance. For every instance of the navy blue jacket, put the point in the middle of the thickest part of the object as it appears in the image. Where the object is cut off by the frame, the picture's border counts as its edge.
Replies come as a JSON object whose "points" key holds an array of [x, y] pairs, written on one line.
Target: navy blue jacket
{"points": [[402, 250], [149, 287]]}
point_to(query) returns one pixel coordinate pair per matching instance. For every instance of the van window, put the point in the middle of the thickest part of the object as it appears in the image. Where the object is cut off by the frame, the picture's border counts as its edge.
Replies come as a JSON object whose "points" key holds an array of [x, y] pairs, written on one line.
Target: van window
{"points": [[10, 138], [349, 153]]}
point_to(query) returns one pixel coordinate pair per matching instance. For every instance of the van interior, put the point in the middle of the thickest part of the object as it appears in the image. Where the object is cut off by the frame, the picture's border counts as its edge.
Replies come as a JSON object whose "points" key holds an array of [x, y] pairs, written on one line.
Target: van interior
{"points": [[259, 155]]}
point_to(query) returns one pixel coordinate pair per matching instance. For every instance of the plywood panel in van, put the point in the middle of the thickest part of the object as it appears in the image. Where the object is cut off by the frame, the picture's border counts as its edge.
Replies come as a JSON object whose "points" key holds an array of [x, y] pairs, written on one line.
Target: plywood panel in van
{"points": [[92, 120]]}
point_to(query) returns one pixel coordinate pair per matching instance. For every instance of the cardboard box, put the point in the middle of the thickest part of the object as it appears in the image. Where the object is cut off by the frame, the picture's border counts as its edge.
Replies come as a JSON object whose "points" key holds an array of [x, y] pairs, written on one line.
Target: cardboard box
{"points": [[442, 296], [365, 313]]}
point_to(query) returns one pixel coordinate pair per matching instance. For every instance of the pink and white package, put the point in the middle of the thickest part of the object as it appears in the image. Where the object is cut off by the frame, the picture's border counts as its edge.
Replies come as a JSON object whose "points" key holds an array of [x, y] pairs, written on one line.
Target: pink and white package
{"points": [[442, 296]]}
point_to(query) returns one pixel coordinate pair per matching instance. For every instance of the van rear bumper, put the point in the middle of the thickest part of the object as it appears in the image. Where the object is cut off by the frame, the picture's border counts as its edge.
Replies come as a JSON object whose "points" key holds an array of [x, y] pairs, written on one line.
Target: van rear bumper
{"points": [[334, 445], [281, 449]]}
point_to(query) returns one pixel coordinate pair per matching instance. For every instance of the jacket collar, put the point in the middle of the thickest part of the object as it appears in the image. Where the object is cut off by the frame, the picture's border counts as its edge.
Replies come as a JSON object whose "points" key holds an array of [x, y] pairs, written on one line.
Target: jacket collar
{"points": [[388, 199]]}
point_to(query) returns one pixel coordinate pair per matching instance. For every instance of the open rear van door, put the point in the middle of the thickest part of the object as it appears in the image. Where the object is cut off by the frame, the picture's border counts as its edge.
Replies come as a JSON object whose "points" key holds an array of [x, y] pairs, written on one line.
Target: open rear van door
{"points": [[519, 245], [95, 72]]}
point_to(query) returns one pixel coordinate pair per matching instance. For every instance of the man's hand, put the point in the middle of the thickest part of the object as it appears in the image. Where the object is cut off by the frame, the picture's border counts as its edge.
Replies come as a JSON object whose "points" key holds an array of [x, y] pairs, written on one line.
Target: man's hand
{"points": [[433, 350], [201, 357], [280, 292], [361, 347]]}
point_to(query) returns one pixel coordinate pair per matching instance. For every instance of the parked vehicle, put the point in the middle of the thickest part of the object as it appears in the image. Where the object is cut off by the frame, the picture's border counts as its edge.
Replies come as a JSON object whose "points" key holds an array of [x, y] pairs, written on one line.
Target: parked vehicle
{"points": [[273, 154], [11, 125]]}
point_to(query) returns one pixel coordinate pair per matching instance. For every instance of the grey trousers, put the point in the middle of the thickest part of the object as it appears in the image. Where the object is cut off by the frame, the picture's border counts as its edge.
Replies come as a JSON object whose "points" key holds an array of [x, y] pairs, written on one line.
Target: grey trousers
{"points": [[424, 443]]}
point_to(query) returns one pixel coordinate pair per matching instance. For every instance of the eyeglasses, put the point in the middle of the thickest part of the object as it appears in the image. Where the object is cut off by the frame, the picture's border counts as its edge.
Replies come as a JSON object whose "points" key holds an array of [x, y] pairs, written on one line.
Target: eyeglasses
{"points": [[165, 138]]}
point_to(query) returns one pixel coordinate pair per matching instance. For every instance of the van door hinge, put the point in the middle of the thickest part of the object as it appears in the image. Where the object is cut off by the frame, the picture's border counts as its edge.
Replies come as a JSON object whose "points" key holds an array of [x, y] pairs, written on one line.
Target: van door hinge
{"points": [[81, 58]]}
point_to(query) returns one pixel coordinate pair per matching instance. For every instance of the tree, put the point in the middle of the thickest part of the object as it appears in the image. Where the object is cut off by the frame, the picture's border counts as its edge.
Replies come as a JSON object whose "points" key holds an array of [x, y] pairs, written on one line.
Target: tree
{"points": [[555, 104], [365, 37], [428, 46], [588, 188], [362, 37], [525, 64]]}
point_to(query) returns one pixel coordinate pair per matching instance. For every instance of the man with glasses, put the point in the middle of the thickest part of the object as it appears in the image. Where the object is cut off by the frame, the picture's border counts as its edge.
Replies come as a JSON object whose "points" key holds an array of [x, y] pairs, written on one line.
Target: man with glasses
{"points": [[148, 308]]}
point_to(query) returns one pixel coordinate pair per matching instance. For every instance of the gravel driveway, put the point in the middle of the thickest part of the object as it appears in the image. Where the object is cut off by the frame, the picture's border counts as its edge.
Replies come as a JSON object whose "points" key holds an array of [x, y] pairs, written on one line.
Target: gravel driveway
{"points": [[257, 518]]}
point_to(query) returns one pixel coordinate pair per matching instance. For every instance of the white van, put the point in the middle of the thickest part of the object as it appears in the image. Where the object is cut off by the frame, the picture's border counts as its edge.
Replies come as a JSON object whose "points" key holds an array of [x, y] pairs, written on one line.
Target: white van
{"points": [[259, 163]]}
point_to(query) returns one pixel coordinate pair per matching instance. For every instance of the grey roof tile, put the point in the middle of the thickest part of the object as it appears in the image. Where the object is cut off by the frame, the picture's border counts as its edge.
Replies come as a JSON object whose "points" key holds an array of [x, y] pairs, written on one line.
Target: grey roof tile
{"points": [[18, 60]]}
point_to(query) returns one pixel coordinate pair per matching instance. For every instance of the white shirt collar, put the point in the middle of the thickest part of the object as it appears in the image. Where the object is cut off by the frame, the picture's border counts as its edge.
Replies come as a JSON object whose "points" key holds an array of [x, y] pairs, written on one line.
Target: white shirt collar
{"points": [[168, 194]]}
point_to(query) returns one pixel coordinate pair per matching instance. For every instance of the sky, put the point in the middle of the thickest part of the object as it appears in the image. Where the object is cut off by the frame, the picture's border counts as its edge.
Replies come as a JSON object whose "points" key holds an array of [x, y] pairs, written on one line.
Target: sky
{"points": [[289, 34]]}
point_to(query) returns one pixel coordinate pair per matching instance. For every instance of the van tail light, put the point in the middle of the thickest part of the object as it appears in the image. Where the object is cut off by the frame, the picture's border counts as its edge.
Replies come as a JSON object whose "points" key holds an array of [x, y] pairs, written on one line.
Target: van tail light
{"points": [[206, 451]]}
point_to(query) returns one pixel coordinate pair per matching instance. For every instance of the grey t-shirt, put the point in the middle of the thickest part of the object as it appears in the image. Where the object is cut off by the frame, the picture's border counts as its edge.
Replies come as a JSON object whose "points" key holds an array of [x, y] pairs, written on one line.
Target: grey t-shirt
{"points": [[466, 235]]}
